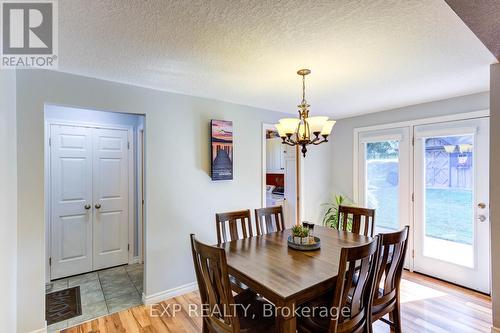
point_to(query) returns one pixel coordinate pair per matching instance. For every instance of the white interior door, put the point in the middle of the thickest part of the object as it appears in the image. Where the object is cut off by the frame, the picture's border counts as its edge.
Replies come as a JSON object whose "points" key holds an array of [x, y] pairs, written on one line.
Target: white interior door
{"points": [[451, 202], [71, 200], [290, 206], [110, 193]]}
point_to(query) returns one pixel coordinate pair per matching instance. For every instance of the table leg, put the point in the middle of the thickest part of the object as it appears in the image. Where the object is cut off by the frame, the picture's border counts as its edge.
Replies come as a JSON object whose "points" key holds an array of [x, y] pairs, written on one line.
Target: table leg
{"points": [[285, 320]]}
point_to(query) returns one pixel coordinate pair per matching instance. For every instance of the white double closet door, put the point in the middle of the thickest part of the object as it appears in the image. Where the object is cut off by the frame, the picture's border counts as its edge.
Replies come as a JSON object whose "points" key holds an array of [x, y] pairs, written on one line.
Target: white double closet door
{"points": [[89, 185]]}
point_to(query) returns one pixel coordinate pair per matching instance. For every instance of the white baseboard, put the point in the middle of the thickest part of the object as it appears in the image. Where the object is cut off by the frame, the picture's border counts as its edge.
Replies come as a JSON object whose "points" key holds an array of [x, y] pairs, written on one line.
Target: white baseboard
{"points": [[163, 295], [40, 330], [136, 260], [495, 330]]}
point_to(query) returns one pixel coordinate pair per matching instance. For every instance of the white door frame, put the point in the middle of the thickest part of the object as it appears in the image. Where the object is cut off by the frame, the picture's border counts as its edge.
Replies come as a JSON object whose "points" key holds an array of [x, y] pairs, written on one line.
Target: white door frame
{"points": [[140, 193], [411, 124], [299, 173], [47, 152]]}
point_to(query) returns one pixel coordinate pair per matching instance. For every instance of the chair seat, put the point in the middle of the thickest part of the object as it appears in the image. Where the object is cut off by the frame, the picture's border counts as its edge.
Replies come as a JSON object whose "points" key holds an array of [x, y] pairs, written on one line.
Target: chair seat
{"points": [[253, 321]]}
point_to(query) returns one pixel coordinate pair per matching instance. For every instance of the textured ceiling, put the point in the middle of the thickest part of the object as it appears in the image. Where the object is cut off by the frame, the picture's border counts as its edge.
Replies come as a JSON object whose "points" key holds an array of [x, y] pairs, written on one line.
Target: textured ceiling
{"points": [[365, 55]]}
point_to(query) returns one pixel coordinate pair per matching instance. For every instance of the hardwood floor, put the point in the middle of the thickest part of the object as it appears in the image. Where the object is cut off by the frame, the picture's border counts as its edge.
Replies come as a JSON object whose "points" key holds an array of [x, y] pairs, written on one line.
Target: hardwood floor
{"points": [[428, 305]]}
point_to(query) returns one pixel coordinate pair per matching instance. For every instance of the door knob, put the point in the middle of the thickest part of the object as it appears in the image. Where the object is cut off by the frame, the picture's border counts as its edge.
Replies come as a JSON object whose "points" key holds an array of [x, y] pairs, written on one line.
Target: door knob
{"points": [[97, 206], [481, 218], [87, 206], [481, 205]]}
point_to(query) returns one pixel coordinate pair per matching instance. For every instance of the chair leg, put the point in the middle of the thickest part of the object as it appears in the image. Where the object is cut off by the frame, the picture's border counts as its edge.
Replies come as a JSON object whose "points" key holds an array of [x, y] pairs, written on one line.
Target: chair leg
{"points": [[396, 318]]}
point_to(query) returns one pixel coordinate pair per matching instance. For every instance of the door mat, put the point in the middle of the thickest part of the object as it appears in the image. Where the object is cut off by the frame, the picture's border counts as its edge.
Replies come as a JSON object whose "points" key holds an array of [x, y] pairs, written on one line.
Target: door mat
{"points": [[62, 305]]}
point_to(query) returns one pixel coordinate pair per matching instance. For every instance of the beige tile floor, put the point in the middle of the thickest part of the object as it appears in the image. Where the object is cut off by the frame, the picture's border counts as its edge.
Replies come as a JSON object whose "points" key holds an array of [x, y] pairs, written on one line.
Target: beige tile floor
{"points": [[103, 292]]}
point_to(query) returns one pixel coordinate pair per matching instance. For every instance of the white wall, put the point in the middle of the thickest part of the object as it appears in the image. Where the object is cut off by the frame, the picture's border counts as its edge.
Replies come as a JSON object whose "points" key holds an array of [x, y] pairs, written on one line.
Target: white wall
{"points": [[8, 202], [180, 197], [495, 191], [342, 147]]}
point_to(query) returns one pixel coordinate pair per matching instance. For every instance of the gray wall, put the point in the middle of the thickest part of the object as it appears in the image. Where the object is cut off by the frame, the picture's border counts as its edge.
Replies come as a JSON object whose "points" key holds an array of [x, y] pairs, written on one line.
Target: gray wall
{"points": [[495, 190], [8, 201], [180, 197], [342, 148]]}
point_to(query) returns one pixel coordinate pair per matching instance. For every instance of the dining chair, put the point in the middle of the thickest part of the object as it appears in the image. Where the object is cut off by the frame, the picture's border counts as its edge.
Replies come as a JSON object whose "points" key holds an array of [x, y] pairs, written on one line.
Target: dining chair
{"points": [[350, 310], [223, 312], [362, 220], [386, 299], [270, 218], [236, 221]]}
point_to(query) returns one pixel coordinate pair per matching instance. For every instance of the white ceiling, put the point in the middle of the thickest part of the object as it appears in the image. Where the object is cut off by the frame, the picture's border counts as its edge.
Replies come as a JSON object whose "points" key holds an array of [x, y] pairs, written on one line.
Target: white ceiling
{"points": [[365, 55]]}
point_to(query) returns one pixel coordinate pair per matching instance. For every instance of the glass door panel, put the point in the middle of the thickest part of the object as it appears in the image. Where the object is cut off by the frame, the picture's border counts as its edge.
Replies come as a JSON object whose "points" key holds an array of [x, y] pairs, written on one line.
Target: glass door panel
{"points": [[382, 183], [384, 177], [449, 204]]}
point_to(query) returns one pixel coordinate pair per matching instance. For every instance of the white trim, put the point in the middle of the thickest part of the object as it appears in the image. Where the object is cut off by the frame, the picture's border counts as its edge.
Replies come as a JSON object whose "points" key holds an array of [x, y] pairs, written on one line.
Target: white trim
{"points": [[265, 127], [40, 330], [495, 330], [131, 194], [170, 293], [47, 206], [136, 260], [140, 188], [425, 121]]}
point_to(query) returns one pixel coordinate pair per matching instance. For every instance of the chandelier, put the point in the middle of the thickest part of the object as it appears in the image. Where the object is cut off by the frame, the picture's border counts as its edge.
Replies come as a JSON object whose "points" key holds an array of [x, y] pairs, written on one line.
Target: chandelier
{"points": [[305, 130]]}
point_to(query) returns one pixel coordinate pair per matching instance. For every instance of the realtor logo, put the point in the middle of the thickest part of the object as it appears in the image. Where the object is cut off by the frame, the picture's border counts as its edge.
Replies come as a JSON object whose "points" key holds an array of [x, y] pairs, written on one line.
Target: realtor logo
{"points": [[29, 34]]}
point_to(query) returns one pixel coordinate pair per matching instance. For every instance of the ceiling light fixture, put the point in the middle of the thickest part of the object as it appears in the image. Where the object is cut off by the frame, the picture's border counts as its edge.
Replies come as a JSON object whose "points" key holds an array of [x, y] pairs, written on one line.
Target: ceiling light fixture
{"points": [[305, 130]]}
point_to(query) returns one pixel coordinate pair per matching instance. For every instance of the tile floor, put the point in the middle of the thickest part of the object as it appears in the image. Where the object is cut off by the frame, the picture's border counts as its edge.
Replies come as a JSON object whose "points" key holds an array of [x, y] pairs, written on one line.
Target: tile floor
{"points": [[103, 292]]}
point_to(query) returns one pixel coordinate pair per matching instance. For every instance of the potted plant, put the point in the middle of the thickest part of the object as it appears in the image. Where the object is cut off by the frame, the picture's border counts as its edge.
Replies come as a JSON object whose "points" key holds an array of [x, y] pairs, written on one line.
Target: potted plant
{"points": [[300, 234], [331, 215]]}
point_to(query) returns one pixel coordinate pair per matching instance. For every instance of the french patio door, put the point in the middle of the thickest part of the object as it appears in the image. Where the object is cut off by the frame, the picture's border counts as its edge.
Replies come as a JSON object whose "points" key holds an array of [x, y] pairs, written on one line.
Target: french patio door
{"points": [[433, 177], [451, 202], [89, 199]]}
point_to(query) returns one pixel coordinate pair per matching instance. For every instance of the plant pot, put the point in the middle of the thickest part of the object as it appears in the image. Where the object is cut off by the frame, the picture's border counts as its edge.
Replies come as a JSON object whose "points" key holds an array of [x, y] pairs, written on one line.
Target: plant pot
{"points": [[297, 240], [304, 240]]}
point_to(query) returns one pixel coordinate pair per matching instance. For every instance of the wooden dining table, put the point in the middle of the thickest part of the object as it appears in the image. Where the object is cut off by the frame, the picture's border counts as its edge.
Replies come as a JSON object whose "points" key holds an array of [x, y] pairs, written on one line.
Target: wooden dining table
{"points": [[285, 276]]}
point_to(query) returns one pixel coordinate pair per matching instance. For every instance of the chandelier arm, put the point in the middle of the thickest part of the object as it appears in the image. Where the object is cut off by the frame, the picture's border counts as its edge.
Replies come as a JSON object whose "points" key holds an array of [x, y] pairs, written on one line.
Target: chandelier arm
{"points": [[322, 141]]}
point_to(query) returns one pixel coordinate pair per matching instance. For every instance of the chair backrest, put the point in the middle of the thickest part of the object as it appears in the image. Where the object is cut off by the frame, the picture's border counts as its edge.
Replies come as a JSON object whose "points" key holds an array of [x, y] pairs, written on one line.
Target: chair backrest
{"points": [[354, 288], [231, 219], [358, 220], [390, 268], [215, 291], [269, 219]]}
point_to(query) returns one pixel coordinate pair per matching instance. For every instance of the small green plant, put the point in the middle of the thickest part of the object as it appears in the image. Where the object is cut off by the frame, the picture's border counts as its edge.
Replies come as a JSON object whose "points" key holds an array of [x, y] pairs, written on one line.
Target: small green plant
{"points": [[332, 209], [300, 231]]}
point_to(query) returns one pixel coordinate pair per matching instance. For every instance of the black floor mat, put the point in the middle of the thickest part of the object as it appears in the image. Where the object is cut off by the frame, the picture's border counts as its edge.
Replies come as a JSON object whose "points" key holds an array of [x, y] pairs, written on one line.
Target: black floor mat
{"points": [[62, 305]]}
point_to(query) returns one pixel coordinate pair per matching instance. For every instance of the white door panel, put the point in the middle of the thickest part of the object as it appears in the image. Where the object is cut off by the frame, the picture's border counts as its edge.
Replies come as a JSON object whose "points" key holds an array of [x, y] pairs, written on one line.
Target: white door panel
{"points": [[110, 192], [451, 181], [71, 191]]}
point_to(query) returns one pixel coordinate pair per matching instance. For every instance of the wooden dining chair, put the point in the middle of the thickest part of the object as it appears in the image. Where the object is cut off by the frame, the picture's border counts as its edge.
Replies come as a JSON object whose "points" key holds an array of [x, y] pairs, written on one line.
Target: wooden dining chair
{"points": [[223, 312], [239, 224], [386, 299], [362, 220], [236, 222], [269, 219], [352, 297]]}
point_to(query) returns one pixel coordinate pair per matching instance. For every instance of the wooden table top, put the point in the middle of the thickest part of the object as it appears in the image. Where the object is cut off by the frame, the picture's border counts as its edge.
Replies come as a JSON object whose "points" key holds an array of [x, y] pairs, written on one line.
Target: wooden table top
{"points": [[279, 272]]}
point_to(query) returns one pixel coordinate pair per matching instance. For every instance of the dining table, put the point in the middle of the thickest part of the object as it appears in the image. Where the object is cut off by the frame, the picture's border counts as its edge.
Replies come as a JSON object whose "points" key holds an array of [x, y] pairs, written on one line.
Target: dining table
{"points": [[288, 277]]}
